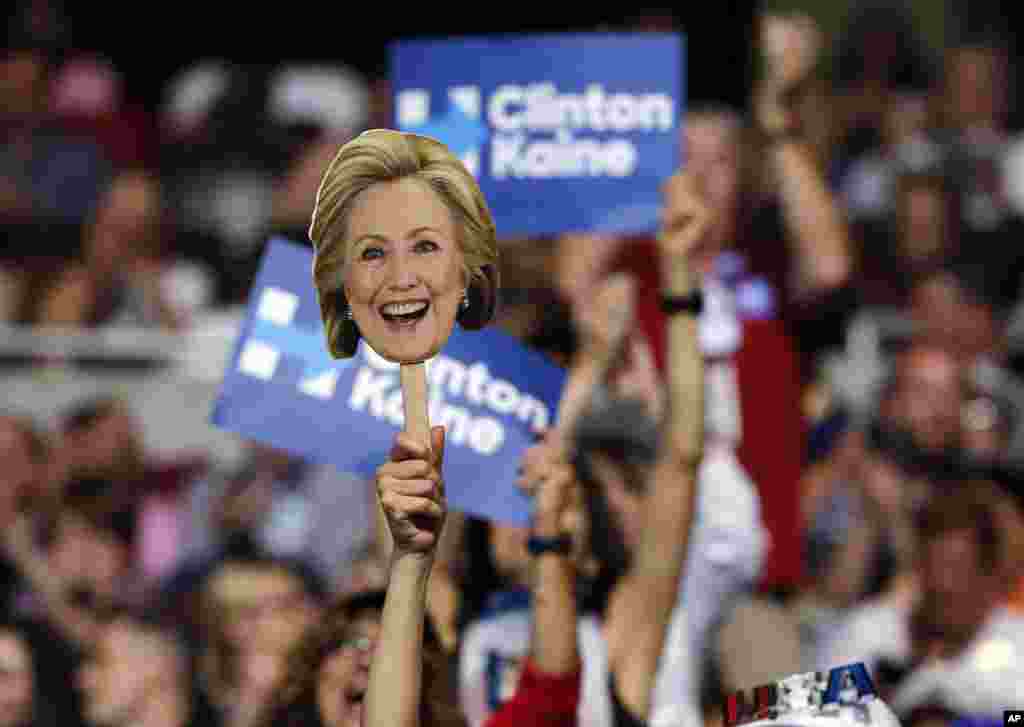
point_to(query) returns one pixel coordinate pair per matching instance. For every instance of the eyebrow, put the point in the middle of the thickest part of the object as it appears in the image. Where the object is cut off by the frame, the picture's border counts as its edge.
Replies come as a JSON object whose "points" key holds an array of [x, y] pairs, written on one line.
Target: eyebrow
{"points": [[413, 233]]}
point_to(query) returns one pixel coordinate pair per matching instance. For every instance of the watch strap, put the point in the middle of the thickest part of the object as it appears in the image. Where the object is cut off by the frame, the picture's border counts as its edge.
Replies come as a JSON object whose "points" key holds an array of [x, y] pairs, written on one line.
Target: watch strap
{"points": [[692, 303], [538, 544]]}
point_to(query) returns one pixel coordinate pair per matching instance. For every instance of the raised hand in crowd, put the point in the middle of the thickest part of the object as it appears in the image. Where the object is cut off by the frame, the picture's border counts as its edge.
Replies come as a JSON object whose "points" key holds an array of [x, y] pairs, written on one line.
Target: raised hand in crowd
{"points": [[641, 604], [548, 691], [411, 493], [817, 231], [790, 45]]}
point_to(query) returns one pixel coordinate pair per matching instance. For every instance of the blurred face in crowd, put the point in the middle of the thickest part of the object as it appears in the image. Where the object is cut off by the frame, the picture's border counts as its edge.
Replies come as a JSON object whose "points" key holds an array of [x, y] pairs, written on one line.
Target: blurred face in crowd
{"points": [[17, 682], [109, 446], [884, 482], [268, 608], [711, 148], [22, 472], [945, 314], [88, 557], [928, 397], [22, 86], [345, 673], [957, 590], [977, 82], [404, 273], [126, 669], [125, 224], [923, 222]]}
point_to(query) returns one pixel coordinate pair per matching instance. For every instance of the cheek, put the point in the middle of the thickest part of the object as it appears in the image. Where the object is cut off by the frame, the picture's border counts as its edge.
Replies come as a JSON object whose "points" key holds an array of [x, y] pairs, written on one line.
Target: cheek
{"points": [[330, 689], [359, 285], [723, 185]]}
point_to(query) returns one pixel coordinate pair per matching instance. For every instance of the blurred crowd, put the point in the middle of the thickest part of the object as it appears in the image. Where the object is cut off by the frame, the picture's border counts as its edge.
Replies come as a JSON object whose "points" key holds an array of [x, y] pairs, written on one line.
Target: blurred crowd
{"points": [[861, 343]]}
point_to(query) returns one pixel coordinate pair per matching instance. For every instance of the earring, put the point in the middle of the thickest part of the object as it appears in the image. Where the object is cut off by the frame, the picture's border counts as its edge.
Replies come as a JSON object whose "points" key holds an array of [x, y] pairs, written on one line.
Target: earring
{"points": [[347, 315], [464, 303]]}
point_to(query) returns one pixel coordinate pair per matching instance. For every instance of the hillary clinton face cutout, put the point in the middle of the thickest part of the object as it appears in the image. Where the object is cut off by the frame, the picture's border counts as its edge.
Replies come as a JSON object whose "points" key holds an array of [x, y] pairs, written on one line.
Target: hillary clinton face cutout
{"points": [[404, 277]]}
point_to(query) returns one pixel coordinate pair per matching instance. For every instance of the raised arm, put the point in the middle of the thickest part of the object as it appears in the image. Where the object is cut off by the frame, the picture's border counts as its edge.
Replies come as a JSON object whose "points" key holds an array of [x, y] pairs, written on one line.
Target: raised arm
{"points": [[548, 692], [549, 478], [411, 494], [641, 604], [814, 221]]}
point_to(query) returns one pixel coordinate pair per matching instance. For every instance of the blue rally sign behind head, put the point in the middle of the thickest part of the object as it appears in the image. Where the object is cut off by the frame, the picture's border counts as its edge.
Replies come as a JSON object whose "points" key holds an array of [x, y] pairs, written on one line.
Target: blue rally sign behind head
{"points": [[282, 388], [565, 133]]}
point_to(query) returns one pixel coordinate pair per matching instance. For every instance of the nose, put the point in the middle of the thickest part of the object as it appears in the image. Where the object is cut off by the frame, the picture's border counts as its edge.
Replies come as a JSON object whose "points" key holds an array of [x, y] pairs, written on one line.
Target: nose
{"points": [[402, 273]]}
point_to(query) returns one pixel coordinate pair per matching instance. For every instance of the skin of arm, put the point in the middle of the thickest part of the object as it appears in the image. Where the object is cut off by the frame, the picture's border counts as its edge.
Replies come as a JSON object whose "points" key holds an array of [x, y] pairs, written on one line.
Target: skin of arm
{"points": [[411, 494], [813, 220], [641, 605], [816, 229], [553, 645]]}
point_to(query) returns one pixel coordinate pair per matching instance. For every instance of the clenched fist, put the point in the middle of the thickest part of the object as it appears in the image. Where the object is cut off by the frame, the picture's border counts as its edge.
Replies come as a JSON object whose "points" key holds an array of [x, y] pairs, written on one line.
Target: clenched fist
{"points": [[686, 217], [790, 45], [411, 492]]}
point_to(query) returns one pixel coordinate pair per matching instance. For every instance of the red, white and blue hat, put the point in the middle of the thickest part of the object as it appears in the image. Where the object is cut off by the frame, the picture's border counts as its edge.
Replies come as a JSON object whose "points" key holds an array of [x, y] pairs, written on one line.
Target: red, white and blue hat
{"points": [[844, 696]]}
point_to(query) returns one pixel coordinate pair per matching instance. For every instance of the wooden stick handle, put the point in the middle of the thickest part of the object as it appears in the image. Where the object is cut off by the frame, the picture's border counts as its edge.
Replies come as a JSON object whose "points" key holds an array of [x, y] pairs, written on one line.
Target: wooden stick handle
{"points": [[414, 401]]}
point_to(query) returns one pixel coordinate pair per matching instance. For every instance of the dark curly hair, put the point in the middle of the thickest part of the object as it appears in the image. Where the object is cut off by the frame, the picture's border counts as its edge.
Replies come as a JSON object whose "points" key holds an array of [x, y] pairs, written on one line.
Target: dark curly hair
{"points": [[296, 705]]}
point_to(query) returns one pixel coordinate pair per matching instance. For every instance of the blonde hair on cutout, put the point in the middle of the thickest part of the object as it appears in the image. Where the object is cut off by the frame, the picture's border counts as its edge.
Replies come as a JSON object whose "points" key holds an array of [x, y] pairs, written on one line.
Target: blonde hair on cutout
{"points": [[383, 155]]}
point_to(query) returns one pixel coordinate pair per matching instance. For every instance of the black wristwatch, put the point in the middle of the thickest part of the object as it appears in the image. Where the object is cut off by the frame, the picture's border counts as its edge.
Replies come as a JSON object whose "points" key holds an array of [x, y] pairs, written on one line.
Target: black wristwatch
{"points": [[561, 544], [692, 303]]}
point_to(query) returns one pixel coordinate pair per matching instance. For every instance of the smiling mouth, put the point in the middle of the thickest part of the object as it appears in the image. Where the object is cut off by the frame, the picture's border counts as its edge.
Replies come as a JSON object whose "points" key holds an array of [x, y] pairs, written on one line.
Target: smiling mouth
{"points": [[404, 313]]}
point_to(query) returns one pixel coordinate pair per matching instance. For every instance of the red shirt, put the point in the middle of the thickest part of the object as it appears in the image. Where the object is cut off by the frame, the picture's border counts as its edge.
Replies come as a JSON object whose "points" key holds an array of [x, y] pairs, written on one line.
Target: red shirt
{"points": [[772, 433], [541, 700]]}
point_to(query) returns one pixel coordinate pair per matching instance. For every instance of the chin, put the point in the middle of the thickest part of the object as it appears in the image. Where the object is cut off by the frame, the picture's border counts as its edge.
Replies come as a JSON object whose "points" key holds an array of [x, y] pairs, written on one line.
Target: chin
{"points": [[405, 341], [409, 351]]}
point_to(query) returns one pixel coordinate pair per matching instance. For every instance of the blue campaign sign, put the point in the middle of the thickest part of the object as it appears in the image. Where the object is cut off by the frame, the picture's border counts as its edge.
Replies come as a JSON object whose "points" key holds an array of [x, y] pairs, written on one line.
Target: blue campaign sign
{"points": [[564, 133], [282, 388]]}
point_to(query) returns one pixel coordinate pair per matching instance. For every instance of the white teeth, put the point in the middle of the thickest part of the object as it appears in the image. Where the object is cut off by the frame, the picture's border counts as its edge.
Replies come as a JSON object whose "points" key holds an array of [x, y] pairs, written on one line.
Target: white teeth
{"points": [[401, 309]]}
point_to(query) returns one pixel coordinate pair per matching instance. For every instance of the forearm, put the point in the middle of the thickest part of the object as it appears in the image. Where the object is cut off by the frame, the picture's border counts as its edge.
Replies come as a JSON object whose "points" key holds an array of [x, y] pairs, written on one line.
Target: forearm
{"points": [[553, 643], [813, 219], [683, 439], [668, 507], [393, 694], [648, 595], [443, 595]]}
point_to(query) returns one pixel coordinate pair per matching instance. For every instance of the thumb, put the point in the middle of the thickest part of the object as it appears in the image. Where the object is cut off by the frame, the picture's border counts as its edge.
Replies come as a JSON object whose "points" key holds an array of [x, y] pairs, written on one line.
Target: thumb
{"points": [[437, 445]]}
